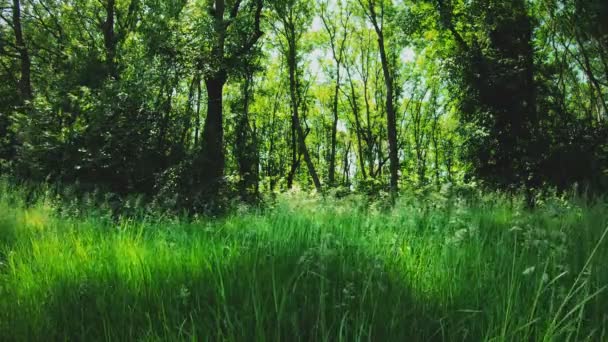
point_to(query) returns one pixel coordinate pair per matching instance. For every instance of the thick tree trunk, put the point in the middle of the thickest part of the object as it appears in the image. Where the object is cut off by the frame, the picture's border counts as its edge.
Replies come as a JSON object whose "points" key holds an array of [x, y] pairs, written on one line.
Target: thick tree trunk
{"points": [[212, 159], [109, 38], [25, 83]]}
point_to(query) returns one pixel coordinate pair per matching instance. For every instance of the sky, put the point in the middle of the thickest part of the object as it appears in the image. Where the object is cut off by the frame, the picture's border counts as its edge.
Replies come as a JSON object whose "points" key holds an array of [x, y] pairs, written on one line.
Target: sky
{"points": [[408, 55]]}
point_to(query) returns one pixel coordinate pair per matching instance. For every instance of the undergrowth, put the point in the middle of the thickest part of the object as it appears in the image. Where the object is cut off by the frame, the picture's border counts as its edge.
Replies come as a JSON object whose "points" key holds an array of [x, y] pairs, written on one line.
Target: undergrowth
{"points": [[438, 268]]}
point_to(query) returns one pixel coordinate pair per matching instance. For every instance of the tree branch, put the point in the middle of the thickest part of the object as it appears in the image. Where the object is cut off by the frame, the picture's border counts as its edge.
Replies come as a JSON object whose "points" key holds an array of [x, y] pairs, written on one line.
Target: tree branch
{"points": [[255, 36]]}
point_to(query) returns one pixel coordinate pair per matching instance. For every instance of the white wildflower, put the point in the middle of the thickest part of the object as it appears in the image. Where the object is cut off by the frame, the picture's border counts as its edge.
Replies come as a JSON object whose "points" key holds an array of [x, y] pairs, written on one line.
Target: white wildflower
{"points": [[529, 270]]}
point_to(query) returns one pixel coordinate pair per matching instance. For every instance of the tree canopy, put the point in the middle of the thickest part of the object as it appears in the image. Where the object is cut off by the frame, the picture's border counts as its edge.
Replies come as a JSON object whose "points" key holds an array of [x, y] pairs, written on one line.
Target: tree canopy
{"points": [[191, 101]]}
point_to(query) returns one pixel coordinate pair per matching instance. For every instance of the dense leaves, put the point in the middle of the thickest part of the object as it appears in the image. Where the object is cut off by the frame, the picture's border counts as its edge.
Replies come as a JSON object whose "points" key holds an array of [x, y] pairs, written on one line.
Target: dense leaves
{"points": [[192, 101]]}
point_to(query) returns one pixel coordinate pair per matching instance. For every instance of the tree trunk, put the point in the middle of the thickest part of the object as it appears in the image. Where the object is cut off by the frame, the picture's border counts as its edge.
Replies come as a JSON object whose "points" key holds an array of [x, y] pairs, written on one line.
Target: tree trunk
{"points": [[295, 161], [166, 118], [436, 136], [358, 128], [391, 118], [212, 157], [189, 115], [306, 154], [25, 83], [271, 170], [197, 121], [346, 173], [586, 66], [334, 130], [369, 136], [109, 38], [294, 91], [246, 149]]}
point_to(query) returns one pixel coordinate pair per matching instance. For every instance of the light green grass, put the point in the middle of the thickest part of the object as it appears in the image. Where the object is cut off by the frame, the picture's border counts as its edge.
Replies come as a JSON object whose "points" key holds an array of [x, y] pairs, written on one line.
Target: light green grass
{"points": [[308, 269]]}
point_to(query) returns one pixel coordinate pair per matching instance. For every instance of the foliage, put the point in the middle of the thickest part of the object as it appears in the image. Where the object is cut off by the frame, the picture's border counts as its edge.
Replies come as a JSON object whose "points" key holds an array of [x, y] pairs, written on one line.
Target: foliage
{"points": [[206, 101]]}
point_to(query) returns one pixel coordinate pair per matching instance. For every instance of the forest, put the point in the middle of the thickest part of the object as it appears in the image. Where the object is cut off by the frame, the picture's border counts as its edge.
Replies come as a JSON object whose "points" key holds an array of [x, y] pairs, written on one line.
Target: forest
{"points": [[426, 170]]}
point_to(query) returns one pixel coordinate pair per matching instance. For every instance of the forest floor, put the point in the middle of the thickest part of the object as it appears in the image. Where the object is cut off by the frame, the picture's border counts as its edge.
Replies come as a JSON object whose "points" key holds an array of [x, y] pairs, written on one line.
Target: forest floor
{"points": [[433, 269]]}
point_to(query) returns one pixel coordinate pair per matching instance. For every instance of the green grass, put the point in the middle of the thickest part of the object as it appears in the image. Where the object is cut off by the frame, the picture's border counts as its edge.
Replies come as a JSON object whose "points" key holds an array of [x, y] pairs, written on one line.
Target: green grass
{"points": [[434, 269]]}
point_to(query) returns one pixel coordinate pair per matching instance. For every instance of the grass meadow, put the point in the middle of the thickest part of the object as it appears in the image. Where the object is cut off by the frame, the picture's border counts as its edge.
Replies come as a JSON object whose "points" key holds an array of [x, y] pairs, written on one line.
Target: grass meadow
{"points": [[431, 268]]}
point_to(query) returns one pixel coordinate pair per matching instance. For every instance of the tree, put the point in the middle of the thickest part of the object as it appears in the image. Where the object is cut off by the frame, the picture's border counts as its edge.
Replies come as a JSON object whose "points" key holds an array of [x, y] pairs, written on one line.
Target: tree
{"points": [[246, 146], [294, 20], [375, 11], [147, 97], [25, 82], [337, 43], [16, 49], [233, 29], [495, 71]]}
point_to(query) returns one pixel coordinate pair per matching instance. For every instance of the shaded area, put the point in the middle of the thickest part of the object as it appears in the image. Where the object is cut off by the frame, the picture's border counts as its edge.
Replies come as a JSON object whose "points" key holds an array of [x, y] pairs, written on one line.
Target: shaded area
{"points": [[307, 270]]}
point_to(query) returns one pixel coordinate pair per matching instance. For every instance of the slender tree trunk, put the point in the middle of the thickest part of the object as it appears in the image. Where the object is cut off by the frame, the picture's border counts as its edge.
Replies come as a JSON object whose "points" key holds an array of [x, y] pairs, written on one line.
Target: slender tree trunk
{"points": [[369, 136], [448, 152], [435, 134], [246, 148], [255, 175], [586, 65], [189, 117], [334, 130], [380, 155], [307, 157], [346, 173], [166, 119], [25, 83], [356, 113], [294, 153], [391, 117], [337, 50], [198, 112], [364, 73], [420, 140], [270, 163], [294, 91]]}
